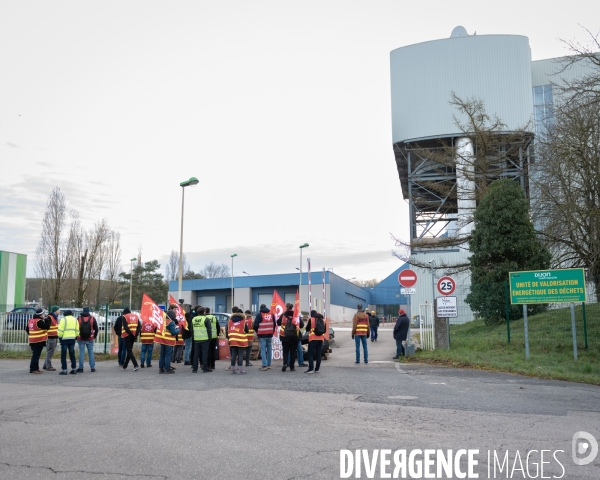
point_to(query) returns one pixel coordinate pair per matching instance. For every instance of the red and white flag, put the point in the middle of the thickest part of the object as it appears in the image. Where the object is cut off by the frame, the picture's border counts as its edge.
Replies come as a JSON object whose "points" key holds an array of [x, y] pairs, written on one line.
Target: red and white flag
{"points": [[151, 312], [297, 313], [179, 313], [277, 306]]}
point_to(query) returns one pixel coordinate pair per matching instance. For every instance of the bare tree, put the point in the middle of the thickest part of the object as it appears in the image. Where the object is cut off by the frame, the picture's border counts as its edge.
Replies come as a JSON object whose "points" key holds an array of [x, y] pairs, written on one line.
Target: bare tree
{"points": [[366, 283], [113, 267], [584, 88], [212, 270], [455, 179], [53, 259], [567, 207], [172, 267]]}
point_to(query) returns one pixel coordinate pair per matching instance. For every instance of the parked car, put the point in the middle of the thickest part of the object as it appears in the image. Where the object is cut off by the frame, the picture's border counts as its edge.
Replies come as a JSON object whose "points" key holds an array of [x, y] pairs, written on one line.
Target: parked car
{"points": [[17, 318], [222, 318]]}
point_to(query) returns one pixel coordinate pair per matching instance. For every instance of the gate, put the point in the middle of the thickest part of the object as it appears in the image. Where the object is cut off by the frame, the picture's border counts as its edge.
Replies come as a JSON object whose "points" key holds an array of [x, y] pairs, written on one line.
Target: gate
{"points": [[426, 328]]}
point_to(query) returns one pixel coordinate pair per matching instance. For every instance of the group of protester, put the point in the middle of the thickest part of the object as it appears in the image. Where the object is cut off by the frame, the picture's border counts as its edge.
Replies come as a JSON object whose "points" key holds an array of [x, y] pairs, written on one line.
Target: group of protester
{"points": [[195, 336]]}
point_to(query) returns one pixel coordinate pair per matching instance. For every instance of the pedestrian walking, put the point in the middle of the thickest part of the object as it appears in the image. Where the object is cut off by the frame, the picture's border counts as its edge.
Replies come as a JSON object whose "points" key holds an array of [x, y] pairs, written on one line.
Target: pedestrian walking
{"points": [[400, 333], [264, 325], [88, 331], [68, 331], [360, 329], [289, 336], [148, 332], [374, 324], [52, 338], [237, 330], [213, 345], [37, 330], [316, 333], [131, 328], [250, 335], [202, 334], [118, 328], [166, 339]]}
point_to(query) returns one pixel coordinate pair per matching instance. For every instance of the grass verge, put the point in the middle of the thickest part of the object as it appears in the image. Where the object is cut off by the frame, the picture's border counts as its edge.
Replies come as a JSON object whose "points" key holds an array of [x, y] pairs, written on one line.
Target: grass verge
{"points": [[476, 345]]}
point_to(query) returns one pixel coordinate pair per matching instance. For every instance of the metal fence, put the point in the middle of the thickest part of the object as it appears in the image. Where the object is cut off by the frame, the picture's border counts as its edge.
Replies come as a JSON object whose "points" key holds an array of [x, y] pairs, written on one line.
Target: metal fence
{"points": [[14, 337], [426, 327]]}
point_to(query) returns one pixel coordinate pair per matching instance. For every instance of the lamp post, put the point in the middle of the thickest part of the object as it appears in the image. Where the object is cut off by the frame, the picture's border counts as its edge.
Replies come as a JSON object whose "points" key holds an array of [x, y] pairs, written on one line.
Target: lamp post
{"points": [[234, 255], [187, 183], [131, 279], [300, 288], [246, 273]]}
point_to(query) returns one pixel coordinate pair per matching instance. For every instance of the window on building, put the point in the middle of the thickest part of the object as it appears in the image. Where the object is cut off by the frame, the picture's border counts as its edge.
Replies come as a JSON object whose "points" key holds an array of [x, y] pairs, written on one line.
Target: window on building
{"points": [[543, 108]]}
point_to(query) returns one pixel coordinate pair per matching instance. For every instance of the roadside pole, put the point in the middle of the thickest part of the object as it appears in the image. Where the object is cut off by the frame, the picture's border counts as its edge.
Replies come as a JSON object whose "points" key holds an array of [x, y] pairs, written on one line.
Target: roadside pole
{"points": [[526, 332], [573, 331], [105, 326], [507, 297], [584, 325]]}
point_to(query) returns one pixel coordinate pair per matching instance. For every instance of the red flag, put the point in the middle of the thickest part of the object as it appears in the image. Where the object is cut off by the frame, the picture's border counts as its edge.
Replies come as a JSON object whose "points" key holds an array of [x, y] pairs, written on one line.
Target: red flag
{"points": [[277, 309], [179, 313], [297, 313], [151, 312]]}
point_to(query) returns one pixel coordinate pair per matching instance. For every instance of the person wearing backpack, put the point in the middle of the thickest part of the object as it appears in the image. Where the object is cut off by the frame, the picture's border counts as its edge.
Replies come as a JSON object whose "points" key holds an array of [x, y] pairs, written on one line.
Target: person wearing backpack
{"points": [[289, 336], [316, 332], [88, 331]]}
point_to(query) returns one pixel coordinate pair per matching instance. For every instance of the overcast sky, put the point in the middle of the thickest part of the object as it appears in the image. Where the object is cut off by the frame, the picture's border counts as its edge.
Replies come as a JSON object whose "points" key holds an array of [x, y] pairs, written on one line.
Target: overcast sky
{"points": [[281, 108]]}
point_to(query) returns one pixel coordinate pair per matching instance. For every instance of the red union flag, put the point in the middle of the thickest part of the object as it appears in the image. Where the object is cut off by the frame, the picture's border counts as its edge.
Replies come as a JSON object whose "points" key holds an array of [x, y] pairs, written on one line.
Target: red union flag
{"points": [[277, 305], [151, 312], [179, 313]]}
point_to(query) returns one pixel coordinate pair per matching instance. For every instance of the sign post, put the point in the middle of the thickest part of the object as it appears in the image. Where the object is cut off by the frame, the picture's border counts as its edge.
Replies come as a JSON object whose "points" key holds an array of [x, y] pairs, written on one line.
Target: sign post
{"points": [[446, 286], [548, 286], [408, 279]]}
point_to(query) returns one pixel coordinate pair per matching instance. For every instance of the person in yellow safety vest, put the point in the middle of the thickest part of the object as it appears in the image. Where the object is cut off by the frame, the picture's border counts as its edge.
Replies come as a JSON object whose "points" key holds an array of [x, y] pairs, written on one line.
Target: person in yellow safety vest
{"points": [[37, 329], [130, 331], [215, 329], [360, 331], [315, 342], [237, 328], [147, 335], [202, 333], [250, 335], [68, 331]]}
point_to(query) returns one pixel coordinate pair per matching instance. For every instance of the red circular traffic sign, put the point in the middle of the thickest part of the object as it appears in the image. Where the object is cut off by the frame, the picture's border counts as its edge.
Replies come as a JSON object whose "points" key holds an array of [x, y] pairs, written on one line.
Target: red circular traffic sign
{"points": [[407, 278], [446, 285]]}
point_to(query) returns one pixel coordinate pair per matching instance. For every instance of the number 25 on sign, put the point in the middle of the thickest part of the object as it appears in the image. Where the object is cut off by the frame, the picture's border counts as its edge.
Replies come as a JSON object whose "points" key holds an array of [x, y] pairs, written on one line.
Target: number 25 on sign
{"points": [[446, 285]]}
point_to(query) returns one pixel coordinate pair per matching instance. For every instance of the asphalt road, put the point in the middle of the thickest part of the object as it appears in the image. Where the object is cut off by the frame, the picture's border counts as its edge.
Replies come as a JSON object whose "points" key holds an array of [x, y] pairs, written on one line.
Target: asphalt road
{"points": [[273, 425]]}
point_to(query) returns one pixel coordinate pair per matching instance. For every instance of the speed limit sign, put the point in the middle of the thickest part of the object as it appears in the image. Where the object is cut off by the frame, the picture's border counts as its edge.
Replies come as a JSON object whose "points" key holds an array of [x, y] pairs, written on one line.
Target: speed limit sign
{"points": [[446, 285]]}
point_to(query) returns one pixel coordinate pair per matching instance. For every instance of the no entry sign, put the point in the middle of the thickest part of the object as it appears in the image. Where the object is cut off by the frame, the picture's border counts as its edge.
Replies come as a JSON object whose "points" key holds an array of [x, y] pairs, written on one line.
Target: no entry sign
{"points": [[446, 285], [407, 278]]}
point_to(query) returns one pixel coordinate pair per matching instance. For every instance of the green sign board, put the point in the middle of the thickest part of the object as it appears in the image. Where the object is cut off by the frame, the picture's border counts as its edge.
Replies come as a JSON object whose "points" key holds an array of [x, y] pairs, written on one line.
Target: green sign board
{"points": [[547, 286]]}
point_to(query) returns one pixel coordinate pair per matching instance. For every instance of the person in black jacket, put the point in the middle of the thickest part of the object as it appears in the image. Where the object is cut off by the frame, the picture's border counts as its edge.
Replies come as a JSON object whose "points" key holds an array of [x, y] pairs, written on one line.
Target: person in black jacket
{"points": [[187, 334], [290, 341], [129, 341], [401, 332], [42, 323], [118, 328], [374, 324]]}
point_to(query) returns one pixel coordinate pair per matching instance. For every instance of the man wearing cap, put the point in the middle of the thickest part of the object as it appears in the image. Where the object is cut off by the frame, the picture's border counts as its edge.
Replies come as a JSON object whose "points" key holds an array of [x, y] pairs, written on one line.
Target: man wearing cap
{"points": [[68, 331], [374, 324], [360, 331], [52, 338], [401, 332], [37, 329]]}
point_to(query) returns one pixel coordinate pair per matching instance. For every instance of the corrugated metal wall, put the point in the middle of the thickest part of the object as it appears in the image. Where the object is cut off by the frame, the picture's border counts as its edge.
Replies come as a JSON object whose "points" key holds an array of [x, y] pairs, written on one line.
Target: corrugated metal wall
{"points": [[13, 268], [493, 68]]}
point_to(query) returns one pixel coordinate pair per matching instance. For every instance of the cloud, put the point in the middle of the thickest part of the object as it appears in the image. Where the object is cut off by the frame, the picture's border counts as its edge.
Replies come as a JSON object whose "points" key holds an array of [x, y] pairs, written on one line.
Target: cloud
{"points": [[13, 145]]}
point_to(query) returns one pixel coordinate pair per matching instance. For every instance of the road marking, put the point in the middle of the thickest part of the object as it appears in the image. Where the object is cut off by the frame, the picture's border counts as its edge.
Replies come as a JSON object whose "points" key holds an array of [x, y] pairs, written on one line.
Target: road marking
{"points": [[437, 383], [402, 397]]}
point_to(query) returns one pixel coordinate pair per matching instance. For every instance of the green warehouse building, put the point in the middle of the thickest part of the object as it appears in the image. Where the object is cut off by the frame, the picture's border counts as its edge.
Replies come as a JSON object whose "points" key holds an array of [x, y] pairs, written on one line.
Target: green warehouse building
{"points": [[13, 271]]}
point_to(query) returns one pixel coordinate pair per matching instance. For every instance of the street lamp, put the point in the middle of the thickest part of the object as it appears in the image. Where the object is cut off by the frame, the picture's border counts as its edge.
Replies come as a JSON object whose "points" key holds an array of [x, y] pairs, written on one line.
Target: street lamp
{"points": [[300, 289], [187, 183], [131, 279], [234, 255], [246, 273]]}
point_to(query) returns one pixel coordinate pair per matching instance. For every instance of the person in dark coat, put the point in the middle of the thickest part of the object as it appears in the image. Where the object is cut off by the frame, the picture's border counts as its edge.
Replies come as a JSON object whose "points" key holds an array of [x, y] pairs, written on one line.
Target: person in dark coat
{"points": [[401, 332], [374, 324], [118, 328]]}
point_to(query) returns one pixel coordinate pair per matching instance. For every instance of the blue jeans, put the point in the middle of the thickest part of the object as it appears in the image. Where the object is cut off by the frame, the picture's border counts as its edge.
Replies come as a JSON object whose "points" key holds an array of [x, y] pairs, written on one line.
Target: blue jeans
{"points": [[399, 348], [70, 346], [122, 351], [147, 349], [187, 350], [299, 354], [266, 351], [357, 340], [89, 344], [164, 361], [373, 333]]}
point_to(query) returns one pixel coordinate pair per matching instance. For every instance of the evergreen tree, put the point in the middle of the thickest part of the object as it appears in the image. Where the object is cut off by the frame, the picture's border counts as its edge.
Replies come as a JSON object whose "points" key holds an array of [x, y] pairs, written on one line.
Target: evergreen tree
{"points": [[502, 241], [146, 279]]}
